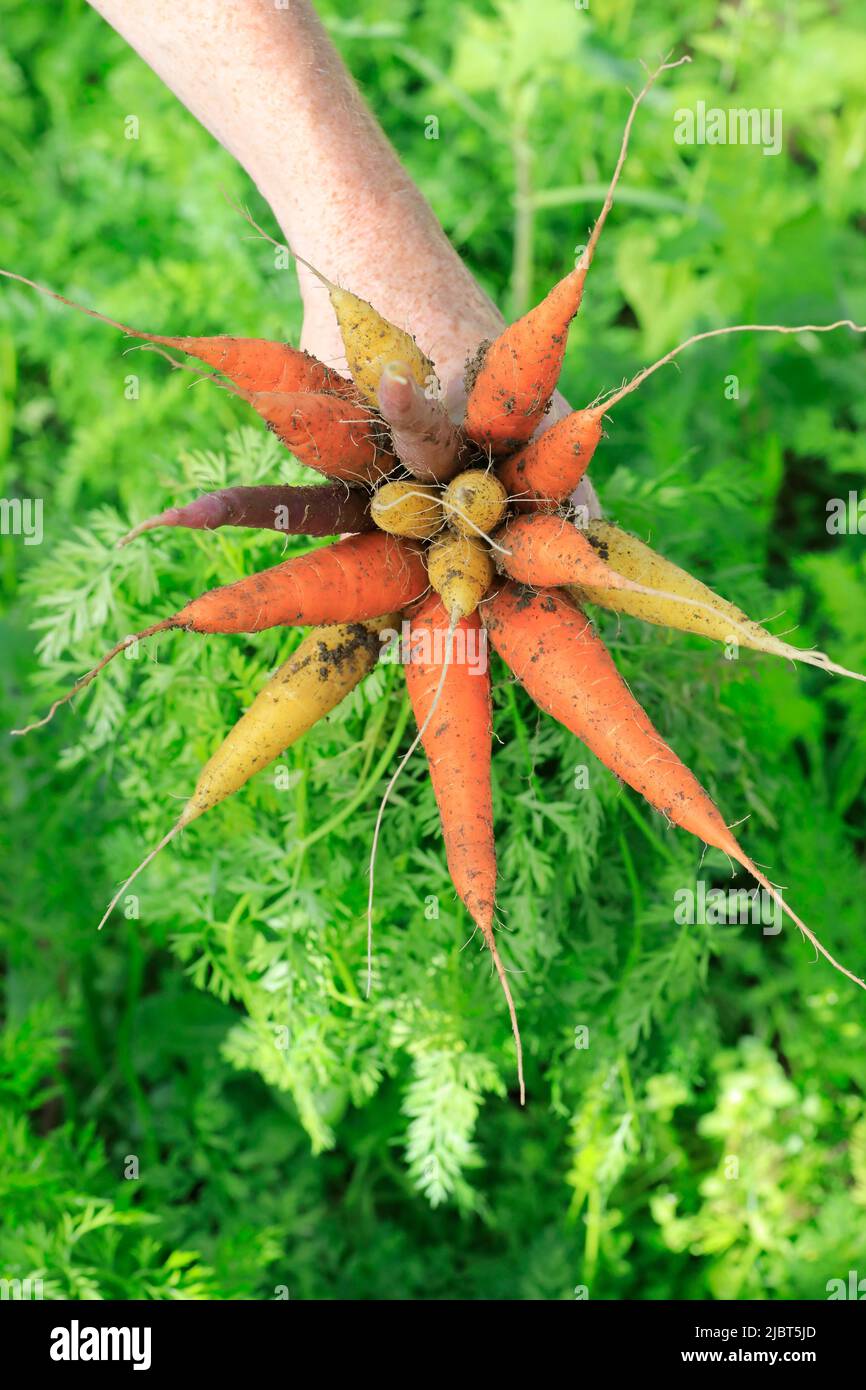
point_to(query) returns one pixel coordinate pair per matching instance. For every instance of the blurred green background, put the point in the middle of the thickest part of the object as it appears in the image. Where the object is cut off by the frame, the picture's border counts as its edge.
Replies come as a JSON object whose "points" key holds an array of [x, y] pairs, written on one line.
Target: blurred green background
{"points": [[711, 1139]]}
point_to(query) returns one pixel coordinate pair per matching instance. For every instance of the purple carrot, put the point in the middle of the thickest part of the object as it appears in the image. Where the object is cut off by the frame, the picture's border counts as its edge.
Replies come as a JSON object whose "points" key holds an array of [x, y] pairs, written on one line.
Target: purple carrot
{"points": [[328, 509], [424, 438]]}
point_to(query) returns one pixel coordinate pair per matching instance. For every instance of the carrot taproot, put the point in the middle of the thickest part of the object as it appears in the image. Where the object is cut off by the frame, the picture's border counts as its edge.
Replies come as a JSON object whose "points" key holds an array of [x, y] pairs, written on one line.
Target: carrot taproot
{"points": [[253, 364], [327, 665], [423, 436], [325, 510], [342, 439], [457, 743], [458, 748], [549, 644], [511, 380], [351, 580]]}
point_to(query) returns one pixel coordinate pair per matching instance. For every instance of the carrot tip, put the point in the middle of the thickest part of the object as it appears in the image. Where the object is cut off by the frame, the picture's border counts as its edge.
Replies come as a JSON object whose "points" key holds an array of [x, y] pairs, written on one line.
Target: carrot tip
{"points": [[150, 524], [506, 989]]}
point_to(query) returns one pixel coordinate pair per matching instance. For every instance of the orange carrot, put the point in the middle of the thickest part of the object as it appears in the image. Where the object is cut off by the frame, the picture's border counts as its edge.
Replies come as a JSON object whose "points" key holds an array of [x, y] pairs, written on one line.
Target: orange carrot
{"points": [[340, 438], [351, 580], [253, 364], [551, 647], [513, 378], [457, 743], [548, 470]]}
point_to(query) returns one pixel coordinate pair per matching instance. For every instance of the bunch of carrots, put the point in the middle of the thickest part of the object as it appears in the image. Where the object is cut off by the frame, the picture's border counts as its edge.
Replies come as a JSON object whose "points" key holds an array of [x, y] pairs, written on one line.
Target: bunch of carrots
{"points": [[453, 526]]}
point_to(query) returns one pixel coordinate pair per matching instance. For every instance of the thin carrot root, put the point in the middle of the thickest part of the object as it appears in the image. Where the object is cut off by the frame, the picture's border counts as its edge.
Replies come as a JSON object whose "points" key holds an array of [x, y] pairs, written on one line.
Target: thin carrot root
{"points": [[586, 259], [148, 859], [548, 469], [614, 397], [252, 364], [176, 365], [511, 381], [506, 989], [85, 680], [736, 853]]}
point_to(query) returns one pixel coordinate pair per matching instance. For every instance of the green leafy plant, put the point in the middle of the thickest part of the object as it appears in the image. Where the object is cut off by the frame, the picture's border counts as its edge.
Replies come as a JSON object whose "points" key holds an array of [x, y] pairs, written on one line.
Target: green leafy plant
{"points": [[320, 1176]]}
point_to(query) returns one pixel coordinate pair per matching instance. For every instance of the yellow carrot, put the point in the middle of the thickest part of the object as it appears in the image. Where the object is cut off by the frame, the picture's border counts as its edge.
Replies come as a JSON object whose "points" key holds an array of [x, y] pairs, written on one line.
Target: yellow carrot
{"points": [[327, 665], [686, 604]]}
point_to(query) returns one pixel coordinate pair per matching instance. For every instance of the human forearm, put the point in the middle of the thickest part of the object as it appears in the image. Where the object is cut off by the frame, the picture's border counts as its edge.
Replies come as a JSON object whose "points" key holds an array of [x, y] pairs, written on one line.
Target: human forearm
{"points": [[270, 86]]}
